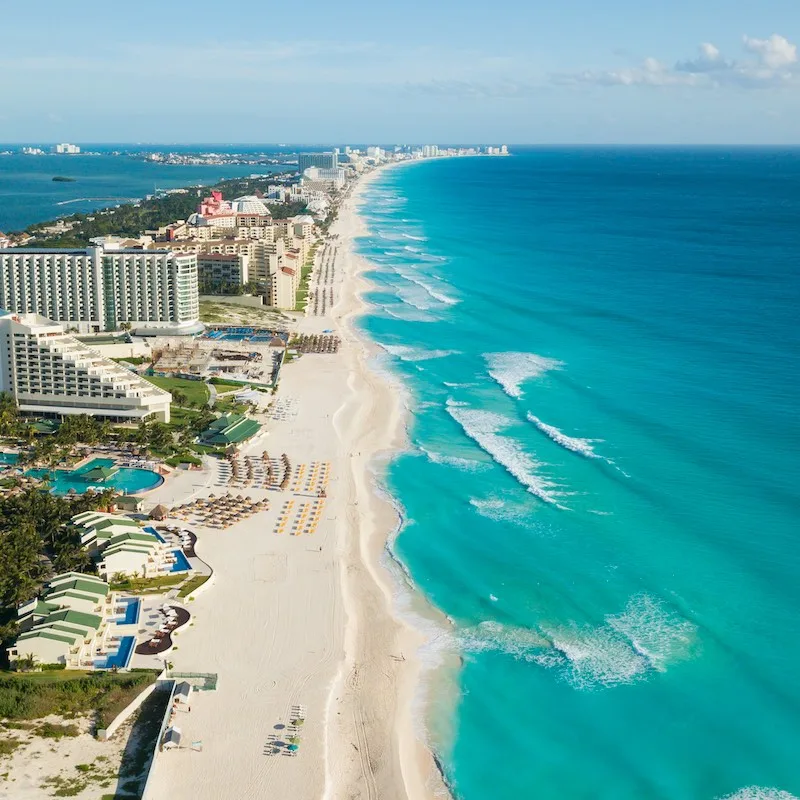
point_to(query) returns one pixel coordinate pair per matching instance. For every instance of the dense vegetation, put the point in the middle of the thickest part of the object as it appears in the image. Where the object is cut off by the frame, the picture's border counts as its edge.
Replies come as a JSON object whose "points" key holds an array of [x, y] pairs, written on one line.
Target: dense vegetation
{"points": [[133, 219], [33, 696]]}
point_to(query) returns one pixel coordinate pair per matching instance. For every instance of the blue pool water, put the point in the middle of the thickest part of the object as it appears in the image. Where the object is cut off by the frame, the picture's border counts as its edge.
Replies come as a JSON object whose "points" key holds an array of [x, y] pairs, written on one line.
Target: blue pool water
{"points": [[8, 458], [121, 658], [599, 350], [150, 529], [132, 608], [181, 562], [127, 480]]}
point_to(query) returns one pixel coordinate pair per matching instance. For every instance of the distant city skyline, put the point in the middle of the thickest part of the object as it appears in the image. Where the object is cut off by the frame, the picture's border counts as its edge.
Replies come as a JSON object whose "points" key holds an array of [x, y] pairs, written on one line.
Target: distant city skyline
{"points": [[567, 73]]}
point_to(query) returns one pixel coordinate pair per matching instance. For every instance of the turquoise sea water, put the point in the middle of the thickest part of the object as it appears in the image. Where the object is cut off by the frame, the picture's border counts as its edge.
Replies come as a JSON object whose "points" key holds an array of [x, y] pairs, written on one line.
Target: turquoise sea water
{"points": [[599, 351]]}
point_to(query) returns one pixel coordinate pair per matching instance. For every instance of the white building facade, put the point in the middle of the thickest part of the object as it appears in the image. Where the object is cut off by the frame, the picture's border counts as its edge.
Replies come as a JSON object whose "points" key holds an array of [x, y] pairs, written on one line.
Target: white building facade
{"points": [[50, 373], [100, 289]]}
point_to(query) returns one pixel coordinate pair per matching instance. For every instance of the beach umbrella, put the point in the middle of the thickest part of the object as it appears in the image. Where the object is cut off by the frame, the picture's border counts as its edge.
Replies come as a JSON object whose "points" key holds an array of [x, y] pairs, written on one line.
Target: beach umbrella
{"points": [[293, 747]]}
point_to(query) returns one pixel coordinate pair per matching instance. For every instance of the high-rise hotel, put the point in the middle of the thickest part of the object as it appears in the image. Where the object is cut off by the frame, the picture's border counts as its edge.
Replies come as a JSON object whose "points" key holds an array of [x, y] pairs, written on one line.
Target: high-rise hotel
{"points": [[49, 373], [99, 289]]}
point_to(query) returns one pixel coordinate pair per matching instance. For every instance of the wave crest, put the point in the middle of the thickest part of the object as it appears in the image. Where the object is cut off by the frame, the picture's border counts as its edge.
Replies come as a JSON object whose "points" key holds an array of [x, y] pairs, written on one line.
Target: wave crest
{"points": [[511, 370], [645, 638], [759, 793], [483, 428], [406, 353]]}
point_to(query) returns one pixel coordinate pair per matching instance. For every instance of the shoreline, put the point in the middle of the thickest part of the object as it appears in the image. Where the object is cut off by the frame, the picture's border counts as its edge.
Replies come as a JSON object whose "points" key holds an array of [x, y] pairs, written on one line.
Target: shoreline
{"points": [[419, 766]]}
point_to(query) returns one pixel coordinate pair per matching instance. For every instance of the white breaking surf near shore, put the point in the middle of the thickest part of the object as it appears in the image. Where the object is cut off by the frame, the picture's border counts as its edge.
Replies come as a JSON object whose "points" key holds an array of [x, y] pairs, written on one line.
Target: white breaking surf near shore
{"points": [[511, 370]]}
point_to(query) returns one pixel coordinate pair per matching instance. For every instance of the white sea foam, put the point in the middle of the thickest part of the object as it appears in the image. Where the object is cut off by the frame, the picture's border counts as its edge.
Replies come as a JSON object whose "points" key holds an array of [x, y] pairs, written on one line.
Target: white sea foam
{"points": [[465, 464], [483, 428], [416, 297], [573, 443], [406, 353], [511, 370], [521, 643], [653, 631], [597, 657], [415, 238], [759, 793], [434, 292], [409, 314], [593, 657], [457, 385], [499, 511]]}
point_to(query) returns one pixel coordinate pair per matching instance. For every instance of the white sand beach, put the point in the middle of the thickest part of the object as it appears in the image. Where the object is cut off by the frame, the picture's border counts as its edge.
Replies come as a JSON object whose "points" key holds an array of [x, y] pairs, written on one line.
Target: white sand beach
{"points": [[307, 620]]}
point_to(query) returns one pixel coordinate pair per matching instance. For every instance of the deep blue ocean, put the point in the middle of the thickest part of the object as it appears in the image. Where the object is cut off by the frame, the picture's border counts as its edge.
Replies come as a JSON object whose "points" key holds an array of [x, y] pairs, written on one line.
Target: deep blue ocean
{"points": [[599, 352]]}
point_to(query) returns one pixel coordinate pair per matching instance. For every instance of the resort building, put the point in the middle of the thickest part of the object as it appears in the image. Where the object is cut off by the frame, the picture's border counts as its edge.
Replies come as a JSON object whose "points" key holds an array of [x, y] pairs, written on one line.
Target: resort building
{"points": [[50, 373], [322, 160], [222, 271], [121, 547], [102, 288], [230, 429], [331, 179], [68, 625]]}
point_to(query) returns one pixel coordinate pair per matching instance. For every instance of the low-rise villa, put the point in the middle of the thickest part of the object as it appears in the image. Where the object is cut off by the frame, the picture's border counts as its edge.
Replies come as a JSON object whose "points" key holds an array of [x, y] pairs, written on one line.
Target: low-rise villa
{"points": [[120, 546], [68, 624], [230, 429]]}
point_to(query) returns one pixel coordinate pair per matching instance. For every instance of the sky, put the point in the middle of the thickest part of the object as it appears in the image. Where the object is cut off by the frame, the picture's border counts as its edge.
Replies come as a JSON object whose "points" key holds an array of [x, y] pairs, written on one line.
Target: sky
{"points": [[508, 71]]}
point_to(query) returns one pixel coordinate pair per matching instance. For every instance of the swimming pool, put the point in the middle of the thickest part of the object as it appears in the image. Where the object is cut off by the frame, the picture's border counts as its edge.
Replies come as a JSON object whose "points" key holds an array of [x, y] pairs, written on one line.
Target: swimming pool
{"points": [[121, 658], [151, 529], [8, 459], [126, 480], [181, 562], [132, 607]]}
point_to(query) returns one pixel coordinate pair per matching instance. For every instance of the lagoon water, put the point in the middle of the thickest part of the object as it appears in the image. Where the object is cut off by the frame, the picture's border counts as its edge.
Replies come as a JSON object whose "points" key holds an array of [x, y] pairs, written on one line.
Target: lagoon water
{"points": [[28, 193], [599, 352]]}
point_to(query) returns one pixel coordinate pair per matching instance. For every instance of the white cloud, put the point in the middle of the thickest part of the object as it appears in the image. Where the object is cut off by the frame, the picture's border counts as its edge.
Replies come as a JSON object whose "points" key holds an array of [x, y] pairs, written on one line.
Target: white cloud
{"points": [[776, 64], [774, 53]]}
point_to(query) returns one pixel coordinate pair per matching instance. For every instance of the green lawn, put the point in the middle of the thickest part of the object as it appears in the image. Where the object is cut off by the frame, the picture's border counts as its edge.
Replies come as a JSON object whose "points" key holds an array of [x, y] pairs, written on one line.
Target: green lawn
{"points": [[193, 584], [195, 391], [140, 585], [224, 385]]}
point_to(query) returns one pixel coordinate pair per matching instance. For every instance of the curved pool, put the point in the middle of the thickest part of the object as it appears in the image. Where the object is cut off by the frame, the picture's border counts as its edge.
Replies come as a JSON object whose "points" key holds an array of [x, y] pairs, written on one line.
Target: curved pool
{"points": [[126, 480]]}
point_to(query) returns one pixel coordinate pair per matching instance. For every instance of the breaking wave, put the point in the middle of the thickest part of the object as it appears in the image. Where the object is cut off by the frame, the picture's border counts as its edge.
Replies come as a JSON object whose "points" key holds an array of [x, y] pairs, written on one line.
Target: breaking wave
{"points": [[465, 464], [431, 291], [483, 427], [759, 793], [498, 511], [511, 370], [594, 657], [405, 353], [573, 443]]}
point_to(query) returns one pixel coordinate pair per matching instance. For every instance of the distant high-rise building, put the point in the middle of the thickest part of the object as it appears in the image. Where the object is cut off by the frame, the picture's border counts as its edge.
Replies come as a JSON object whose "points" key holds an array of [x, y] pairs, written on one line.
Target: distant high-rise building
{"points": [[67, 149], [430, 151], [504, 150], [321, 160]]}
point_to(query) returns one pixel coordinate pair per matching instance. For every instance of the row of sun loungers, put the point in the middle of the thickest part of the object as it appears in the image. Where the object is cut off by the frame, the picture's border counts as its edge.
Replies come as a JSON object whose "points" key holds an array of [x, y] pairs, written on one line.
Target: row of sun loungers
{"points": [[311, 479], [297, 518]]}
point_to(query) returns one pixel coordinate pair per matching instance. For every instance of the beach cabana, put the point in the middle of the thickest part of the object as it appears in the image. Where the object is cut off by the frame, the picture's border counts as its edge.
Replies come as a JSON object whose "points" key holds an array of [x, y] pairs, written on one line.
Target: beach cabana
{"points": [[172, 738], [160, 512], [183, 695]]}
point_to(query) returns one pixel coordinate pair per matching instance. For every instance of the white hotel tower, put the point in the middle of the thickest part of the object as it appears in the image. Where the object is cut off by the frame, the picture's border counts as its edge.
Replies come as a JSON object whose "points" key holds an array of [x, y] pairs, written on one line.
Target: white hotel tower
{"points": [[97, 289]]}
